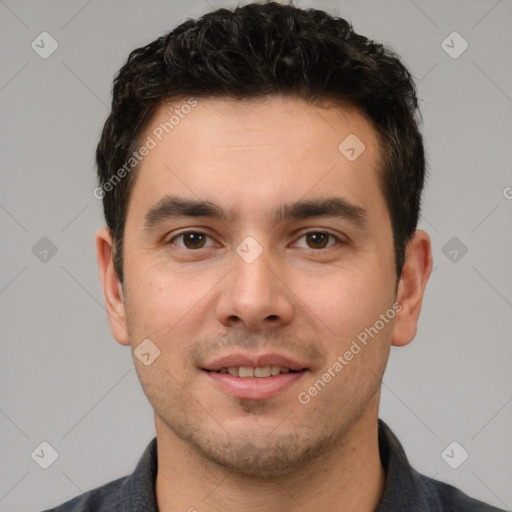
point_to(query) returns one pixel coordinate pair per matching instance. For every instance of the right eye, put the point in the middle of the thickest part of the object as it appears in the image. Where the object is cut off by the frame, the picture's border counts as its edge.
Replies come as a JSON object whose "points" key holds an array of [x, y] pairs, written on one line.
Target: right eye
{"points": [[192, 240]]}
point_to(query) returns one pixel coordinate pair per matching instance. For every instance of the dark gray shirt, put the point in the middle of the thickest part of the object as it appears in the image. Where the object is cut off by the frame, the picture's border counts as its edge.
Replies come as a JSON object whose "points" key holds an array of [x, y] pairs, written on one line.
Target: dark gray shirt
{"points": [[405, 489]]}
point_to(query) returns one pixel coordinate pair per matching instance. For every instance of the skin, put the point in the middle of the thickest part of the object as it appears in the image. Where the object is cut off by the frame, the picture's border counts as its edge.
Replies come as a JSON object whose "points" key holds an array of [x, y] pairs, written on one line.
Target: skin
{"points": [[298, 297]]}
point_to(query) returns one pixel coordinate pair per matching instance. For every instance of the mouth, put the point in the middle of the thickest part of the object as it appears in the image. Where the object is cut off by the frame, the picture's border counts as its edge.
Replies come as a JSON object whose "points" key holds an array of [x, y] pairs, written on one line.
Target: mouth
{"points": [[261, 372], [254, 378]]}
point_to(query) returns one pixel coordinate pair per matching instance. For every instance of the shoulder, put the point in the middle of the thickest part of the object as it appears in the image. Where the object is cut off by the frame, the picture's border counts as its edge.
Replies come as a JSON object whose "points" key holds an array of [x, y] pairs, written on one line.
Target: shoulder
{"points": [[134, 490], [103, 498], [447, 498], [407, 489]]}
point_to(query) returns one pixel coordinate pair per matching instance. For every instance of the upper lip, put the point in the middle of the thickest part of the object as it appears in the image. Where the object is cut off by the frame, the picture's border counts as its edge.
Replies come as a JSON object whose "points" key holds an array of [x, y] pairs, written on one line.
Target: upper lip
{"points": [[254, 361]]}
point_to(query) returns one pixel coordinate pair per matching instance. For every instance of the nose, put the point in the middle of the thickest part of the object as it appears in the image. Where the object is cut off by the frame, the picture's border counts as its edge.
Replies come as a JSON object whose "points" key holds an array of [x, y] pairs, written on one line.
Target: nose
{"points": [[255, 294]]}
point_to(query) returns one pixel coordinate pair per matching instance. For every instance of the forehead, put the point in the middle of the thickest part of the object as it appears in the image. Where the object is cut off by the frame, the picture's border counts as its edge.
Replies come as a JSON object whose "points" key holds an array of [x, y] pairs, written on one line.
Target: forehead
{"points": [[253, 153]]}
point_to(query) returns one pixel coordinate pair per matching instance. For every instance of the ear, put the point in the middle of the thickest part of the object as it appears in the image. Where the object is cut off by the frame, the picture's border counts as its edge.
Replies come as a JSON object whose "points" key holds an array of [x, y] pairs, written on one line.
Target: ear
{"points": [[415, 273], [112, 289]]}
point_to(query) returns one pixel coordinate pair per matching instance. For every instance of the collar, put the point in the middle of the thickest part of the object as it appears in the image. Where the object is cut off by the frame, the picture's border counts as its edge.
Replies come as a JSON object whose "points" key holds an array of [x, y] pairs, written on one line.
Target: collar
{"points": [[403, 489]]}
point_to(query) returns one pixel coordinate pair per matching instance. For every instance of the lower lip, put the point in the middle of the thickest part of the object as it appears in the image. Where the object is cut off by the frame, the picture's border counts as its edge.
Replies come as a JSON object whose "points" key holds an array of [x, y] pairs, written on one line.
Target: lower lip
{"points": [[255, 388]]}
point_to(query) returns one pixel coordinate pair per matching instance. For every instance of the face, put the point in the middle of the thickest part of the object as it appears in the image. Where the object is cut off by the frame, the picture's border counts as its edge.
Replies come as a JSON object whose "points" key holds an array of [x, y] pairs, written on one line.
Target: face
{"points": [[287, 266]]}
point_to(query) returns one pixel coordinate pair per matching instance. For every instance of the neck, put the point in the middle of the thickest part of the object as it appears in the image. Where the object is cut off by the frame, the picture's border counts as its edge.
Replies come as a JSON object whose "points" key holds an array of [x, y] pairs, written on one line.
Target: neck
{"points": [[349, 477]]}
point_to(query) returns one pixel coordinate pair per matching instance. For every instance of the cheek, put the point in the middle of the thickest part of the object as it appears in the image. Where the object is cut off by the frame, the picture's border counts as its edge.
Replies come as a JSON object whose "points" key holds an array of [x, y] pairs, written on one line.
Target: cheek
{"points": [[168, 306], [151, 310], [350, 305], [347, 299], [355, 365]]}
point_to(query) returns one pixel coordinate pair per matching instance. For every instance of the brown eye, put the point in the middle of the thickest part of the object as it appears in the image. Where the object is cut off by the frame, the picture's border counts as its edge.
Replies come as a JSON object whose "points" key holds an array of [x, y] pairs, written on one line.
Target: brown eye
{"points": [[318, 240], [191, 240]]}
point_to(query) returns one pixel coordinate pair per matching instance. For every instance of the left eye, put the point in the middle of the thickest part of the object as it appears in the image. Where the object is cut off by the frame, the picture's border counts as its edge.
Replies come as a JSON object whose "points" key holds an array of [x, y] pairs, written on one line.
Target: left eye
{"points": [[319, 239]]}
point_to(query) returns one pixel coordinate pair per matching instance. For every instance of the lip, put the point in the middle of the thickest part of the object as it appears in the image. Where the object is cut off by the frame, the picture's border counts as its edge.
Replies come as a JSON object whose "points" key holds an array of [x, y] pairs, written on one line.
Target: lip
{"points": [[254, 361], [254, 388]]}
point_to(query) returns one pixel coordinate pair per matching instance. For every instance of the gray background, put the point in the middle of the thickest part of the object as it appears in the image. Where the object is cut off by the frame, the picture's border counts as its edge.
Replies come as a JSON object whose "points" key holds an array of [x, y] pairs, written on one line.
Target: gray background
{"points": [[64, 379]]}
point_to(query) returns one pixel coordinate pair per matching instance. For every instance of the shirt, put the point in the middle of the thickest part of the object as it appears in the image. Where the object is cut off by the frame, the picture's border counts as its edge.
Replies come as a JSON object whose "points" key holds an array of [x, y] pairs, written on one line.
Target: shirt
{"points": [[405, 490]]}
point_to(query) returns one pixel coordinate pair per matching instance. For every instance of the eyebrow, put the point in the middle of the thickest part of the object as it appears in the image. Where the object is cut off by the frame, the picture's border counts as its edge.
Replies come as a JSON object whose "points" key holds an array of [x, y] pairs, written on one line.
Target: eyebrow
{"points": [[172, 207]]}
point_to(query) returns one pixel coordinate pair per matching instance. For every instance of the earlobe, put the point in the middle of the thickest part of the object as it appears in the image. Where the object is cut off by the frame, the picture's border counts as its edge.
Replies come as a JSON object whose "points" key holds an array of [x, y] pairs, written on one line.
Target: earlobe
{"points": [[411, 288], [112, 288]]}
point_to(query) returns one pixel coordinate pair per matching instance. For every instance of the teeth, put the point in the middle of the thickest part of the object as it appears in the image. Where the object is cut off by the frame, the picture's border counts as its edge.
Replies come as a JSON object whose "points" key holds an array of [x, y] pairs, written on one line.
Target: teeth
{"points": [[262, 372], [246, 372]]}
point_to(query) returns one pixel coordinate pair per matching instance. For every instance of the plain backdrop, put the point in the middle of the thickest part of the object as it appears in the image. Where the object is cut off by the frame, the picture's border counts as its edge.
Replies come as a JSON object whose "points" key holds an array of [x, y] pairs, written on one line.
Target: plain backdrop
{"points": [[65, 381]]}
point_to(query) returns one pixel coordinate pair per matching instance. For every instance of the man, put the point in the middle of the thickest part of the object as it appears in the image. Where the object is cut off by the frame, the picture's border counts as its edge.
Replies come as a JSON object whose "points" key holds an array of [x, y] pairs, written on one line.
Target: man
{"points": [[261, 174]]}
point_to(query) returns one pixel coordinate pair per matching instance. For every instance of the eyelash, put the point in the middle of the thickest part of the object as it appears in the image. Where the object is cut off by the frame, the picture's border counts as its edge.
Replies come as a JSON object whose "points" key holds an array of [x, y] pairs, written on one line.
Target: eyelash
{"points": [[337, 239]]}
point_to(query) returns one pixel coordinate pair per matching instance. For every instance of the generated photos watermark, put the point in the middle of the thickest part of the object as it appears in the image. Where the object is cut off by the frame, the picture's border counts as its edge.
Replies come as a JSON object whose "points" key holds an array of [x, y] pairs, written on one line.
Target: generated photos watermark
{"points": [[305, 397], [150, 143]]}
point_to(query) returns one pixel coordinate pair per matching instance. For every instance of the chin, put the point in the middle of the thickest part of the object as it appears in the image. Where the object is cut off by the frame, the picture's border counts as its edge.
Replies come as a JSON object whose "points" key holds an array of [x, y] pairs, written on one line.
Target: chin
{"points": [[264, 455]]}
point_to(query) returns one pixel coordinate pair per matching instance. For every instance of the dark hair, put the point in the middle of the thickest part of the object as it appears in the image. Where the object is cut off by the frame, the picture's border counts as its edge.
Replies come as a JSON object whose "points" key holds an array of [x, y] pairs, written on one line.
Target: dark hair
{"points": [[258, 50]]}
